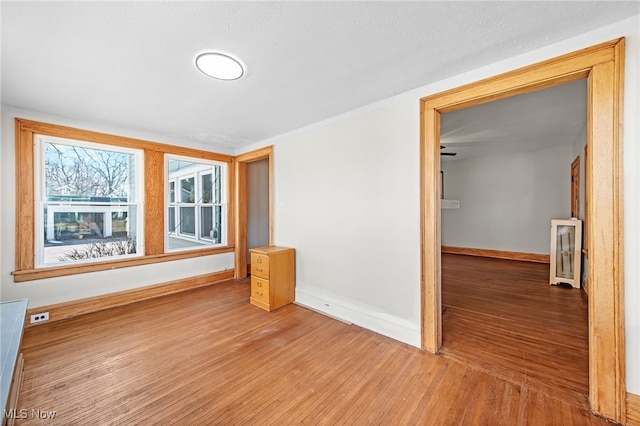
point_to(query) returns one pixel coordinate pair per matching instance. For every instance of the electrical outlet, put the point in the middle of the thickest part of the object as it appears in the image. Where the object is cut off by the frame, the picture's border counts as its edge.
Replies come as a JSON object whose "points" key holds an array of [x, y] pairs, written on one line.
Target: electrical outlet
{"points": [[43, 316]]}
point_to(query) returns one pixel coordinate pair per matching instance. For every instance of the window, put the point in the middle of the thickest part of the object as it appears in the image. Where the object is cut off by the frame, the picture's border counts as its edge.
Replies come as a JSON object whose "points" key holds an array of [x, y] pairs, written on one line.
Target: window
{"points": [[88, 201], [105, 196], [196, 203]]}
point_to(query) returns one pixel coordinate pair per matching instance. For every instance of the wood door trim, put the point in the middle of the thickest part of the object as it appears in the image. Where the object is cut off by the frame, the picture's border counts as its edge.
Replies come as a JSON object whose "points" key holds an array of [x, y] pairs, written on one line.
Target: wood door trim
{"points": [[603, 65], [240, 213], [575, 194], [585, 214]]}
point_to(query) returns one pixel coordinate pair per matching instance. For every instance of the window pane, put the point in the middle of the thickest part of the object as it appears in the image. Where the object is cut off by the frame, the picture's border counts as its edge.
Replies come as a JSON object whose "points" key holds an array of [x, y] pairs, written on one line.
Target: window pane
{"points": [[172, 220], [199, 221], [217, 236], [120, 222], [187, 220], [207, 187], [73, 233], [206, 222], [78, 173], [187, 190], [172, 192], [87, 199], [217, 185]]}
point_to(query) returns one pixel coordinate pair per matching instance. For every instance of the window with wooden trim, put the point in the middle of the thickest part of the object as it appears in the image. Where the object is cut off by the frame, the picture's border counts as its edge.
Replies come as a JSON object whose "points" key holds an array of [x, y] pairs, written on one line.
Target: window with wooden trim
{"points": [[88, 201], [196, 203], [64, 197]]}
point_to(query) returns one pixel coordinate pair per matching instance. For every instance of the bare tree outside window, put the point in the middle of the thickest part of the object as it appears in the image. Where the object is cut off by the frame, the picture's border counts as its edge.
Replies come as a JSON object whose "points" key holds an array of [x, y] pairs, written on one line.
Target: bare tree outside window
{"points": [[89, 202], [86, 172]]}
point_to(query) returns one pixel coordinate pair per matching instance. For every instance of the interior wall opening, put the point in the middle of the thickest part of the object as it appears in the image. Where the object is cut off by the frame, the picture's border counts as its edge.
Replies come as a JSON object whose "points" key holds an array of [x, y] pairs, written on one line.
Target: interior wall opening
{"points": [[257, 204], [506, 169], [254, 205], [603, 67]]}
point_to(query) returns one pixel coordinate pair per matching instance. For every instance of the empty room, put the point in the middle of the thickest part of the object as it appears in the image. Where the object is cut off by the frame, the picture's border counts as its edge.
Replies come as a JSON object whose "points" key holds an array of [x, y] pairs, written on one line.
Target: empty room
{"points": [[506, 169], [244, 213]]}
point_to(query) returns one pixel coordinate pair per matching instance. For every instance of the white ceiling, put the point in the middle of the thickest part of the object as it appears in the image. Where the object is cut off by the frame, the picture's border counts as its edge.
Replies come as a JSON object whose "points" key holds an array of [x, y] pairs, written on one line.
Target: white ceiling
{"points": [[537, 120], [131, 64]]}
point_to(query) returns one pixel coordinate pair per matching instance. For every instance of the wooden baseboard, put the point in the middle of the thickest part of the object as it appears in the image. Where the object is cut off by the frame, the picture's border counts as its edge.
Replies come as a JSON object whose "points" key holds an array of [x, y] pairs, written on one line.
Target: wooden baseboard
{"points": [[497, 254], [633, 409], [74, 308]]}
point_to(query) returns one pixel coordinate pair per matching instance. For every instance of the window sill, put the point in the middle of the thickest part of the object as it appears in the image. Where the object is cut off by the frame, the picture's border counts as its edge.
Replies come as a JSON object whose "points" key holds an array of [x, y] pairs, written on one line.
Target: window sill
{"points": [[60, 271]]}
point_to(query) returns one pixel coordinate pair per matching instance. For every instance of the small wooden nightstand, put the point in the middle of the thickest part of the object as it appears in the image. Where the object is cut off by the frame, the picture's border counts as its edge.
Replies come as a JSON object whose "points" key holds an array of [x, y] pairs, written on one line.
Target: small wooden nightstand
{"points": [[272, 277]]}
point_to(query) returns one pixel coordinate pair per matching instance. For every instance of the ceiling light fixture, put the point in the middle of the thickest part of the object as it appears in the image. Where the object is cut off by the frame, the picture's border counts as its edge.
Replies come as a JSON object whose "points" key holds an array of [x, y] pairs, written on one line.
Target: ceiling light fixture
{"points": [[220, 66]]}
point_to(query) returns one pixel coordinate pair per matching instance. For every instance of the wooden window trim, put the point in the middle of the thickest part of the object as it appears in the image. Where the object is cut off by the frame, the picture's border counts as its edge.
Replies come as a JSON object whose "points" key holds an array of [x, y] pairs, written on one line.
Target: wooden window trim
{"points": [[154, 194]]}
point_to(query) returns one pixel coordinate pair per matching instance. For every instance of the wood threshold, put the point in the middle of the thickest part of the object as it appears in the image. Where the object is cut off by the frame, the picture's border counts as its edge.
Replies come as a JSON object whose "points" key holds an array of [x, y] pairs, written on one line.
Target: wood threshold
{"points": [[633, 409], [65, 310], [497, 254]]}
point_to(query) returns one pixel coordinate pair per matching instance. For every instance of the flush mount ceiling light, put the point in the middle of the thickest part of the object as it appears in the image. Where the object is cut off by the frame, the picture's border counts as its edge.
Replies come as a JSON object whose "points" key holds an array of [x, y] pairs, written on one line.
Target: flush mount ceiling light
{"points": [[220, 66]]}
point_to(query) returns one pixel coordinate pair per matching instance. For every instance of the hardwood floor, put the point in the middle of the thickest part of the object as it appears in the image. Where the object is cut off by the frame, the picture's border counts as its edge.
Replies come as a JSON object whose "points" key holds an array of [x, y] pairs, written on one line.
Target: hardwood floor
{"points": [[207, 357], [504, 317]]}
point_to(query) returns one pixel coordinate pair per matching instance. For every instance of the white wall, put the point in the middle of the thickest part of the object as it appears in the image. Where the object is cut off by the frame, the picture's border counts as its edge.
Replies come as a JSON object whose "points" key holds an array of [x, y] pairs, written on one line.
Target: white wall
{"points": [[631, 180], [257, 204], [61, 289], [347, 198], [507, 201]]}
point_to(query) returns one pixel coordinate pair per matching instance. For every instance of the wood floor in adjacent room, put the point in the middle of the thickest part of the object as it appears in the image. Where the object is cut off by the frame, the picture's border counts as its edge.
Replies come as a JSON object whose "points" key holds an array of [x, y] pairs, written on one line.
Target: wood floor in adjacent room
{"points": [[503, 316], [207, 357]]}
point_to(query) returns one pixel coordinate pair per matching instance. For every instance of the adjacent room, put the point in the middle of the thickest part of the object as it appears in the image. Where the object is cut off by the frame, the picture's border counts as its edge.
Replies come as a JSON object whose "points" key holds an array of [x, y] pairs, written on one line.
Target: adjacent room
{"points": [[275, 213], [506, 169]]}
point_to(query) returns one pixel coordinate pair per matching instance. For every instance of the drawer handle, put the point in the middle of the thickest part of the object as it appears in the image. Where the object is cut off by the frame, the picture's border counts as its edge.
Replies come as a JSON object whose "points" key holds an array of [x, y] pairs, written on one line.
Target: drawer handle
{"points": [[259, 284], [259, 260]]}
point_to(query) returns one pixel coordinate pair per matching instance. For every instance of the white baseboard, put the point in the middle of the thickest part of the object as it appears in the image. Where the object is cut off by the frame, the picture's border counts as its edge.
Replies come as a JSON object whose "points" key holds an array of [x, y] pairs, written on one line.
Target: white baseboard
{"points": [[396, 328]]}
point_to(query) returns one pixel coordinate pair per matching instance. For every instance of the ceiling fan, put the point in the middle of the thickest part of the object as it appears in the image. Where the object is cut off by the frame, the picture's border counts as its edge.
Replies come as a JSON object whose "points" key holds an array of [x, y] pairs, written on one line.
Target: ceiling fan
{"points": [[447, 153]]}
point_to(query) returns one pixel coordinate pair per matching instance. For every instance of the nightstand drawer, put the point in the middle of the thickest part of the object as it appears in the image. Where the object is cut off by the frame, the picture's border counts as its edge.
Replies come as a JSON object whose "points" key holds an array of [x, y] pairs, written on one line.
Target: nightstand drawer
{"points": [[260, 265], [260, 289]]}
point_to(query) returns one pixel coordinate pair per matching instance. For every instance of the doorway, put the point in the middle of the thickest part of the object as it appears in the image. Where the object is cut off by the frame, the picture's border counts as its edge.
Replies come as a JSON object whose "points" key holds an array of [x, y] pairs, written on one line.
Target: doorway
{"points": [[602, 66], [249, 167], [258, 196], [508, 170]]}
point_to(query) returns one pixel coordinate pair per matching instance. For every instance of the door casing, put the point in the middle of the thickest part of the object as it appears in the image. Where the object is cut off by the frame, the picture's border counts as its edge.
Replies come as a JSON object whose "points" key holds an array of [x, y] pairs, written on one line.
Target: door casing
{"points": [[240, 216], [575, 187], [603, 67]]}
